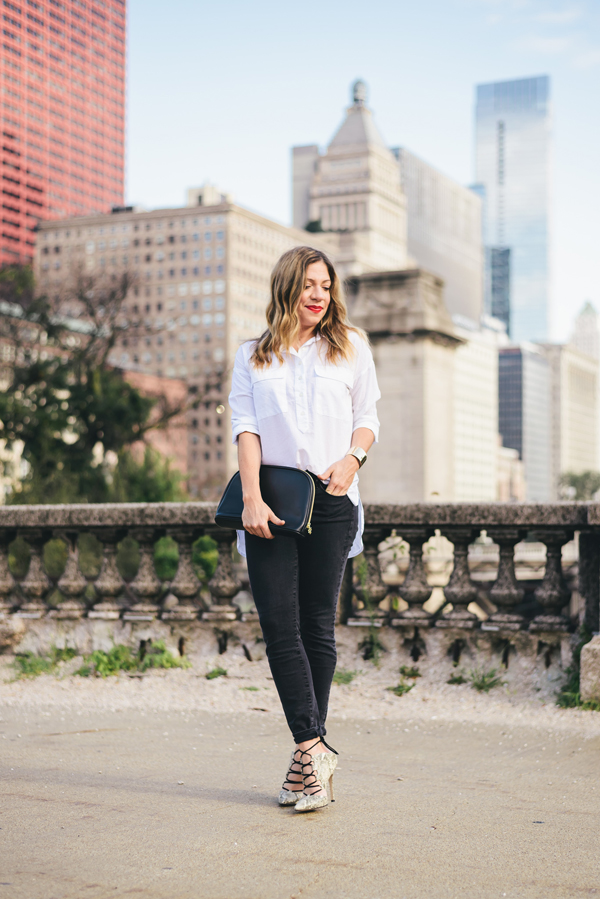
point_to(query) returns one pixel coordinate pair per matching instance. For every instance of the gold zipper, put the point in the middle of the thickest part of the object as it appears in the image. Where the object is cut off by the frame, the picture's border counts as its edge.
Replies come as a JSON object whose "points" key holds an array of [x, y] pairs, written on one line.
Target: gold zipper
{"points": [[312, 505]]}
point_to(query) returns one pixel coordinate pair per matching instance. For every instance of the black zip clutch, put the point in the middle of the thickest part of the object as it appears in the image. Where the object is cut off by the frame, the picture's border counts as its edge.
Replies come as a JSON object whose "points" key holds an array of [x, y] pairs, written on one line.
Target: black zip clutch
{"points": [[289, 492]]}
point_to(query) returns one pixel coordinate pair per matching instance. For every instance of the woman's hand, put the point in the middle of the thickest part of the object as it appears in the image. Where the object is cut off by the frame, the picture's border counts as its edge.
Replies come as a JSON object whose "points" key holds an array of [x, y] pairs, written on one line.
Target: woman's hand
{"points": [[256, 517], [341, 475]]}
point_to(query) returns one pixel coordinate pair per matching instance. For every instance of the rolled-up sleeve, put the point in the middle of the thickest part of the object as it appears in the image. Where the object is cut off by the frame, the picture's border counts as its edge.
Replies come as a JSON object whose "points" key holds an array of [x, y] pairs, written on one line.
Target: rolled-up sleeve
{"points": [[241, 402], [365, 393]]}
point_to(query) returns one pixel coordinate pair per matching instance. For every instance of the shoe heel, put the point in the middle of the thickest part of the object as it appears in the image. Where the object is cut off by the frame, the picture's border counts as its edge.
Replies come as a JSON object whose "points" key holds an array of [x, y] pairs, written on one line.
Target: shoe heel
{"points": [[331, 788]]}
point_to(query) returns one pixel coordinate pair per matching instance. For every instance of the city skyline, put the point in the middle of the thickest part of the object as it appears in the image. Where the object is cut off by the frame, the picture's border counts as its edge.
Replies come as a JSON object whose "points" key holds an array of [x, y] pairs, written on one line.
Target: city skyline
{"points": [[239, 133]]}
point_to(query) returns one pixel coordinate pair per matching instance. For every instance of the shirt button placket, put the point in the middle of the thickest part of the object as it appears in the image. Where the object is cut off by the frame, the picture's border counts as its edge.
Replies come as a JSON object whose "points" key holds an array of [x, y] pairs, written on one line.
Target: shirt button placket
{"points": [[300, 395]]}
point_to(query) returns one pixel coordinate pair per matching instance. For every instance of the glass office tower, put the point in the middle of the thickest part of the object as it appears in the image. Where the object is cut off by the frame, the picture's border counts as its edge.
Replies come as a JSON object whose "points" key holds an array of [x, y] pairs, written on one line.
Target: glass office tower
{"points": [[524, 415], [512, 151]]}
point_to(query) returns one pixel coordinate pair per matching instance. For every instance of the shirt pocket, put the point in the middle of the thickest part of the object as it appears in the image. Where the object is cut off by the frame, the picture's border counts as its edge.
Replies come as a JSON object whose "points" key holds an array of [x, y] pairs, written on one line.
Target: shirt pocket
{"points": [[269, 392], [332, 392]]}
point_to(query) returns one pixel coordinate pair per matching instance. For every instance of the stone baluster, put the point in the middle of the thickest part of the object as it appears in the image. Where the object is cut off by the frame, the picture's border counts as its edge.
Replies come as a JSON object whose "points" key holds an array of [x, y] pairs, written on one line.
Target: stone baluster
{"points": [[223, 585], [109, 584], [373, 590], [146, 585], [8, 600], [182, 602], [415, 590], [505, 593], [460, 590], [553, 593], [589, 579], [36, 583], [72, 583]]}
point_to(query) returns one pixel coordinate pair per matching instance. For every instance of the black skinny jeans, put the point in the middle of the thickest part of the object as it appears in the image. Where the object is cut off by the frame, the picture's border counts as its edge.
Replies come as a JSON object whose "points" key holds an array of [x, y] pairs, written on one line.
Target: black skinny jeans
{"points": [[295, 583]]}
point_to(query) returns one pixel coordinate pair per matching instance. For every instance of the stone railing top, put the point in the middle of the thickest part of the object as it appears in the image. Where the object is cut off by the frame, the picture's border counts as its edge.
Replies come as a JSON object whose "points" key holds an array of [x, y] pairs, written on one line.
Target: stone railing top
{"points": [[485, 515], [102, 515], [573, 515]]}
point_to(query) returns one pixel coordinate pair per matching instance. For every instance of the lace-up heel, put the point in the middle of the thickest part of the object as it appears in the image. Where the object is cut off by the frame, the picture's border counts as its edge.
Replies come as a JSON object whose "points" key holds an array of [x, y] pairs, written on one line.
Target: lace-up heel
{"points": [[317, 775], [291, 796]]}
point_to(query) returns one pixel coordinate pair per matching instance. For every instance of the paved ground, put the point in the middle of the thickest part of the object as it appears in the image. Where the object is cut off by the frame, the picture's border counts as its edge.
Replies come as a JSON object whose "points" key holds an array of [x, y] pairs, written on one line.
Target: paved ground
{"points": [[166, 805]]}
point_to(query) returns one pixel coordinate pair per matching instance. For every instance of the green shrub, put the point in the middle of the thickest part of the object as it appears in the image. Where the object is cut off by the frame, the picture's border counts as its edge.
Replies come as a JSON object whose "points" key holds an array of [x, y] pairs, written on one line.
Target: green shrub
{"points": [[28, 664], [457, 679], [484, 681], [344, 676], [122, 658], [410, 671], [371, 646], [216, 672], [158, 656], [401, 689]]}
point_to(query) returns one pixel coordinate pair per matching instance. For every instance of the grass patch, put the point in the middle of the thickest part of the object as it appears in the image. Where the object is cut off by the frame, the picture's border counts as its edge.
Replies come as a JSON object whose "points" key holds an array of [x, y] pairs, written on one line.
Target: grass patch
{"points": [[372, 647], [344, 676], [410, 671], [457, 679], [122, 658], [218, 672], [484, 681], [401, 689], [252, 689], [28, 664]]}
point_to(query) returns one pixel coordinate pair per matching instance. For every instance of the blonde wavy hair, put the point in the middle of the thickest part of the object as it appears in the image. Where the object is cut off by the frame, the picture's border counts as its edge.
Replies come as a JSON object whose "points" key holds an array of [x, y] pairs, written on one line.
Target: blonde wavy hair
{"points": [[288, 280]]}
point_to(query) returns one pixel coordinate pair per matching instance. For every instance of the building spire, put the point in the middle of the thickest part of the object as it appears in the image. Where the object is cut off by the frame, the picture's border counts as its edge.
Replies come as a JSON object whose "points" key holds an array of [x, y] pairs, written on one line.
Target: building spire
{"points": [[359, 93]]}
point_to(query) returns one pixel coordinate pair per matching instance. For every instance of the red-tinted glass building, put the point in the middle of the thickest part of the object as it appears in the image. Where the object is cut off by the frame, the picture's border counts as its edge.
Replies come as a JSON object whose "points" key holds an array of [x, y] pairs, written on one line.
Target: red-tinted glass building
{"points": [[62, 74]]}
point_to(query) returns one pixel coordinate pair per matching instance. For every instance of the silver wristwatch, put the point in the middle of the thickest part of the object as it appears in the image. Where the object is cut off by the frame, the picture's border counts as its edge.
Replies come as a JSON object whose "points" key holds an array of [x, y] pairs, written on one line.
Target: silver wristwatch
{"points": [[359, 454]]}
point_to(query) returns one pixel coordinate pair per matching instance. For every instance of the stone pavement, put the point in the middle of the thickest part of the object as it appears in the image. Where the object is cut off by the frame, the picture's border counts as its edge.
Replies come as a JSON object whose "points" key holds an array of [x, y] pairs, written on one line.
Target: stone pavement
{"points": [[171, 805]]}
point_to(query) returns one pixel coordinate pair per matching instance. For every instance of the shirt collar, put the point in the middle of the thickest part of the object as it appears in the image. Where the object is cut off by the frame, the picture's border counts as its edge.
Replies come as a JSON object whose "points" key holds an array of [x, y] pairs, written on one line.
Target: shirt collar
{"points": [[317, 336]]}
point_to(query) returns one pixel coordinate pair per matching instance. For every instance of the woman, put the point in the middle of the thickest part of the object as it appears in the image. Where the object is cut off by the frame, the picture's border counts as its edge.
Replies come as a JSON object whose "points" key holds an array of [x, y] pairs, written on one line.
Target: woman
{"points": [[304, 395]]}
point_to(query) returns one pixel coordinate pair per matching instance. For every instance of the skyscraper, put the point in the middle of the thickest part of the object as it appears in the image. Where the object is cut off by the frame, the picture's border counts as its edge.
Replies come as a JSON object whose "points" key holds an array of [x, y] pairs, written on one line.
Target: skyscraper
{"points": [[525, 414], [512, 151], [62, 70]]}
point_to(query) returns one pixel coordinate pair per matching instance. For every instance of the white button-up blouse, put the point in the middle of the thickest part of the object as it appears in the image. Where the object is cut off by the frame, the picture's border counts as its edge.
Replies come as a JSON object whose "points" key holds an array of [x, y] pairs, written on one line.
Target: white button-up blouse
{"points": [[306, 409]]}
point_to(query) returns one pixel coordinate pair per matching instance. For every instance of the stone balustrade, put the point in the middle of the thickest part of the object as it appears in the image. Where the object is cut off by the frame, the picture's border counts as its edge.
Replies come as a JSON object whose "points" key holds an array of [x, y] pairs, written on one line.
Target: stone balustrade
{"points": [[503, 606]]}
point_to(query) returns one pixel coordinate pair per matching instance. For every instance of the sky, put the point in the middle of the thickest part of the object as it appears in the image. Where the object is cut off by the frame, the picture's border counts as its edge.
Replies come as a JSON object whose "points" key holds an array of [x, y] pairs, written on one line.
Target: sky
{"points": [[220, 91]]}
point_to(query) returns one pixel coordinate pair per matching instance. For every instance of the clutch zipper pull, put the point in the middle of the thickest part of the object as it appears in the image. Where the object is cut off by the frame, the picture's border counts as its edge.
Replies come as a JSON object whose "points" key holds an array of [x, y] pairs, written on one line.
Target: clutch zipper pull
{"points": [[312, 506]]}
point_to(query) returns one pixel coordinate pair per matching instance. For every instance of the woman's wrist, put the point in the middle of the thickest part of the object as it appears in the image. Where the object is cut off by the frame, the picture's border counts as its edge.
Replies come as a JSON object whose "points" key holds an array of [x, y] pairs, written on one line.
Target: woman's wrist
{"points": [[352, 458]]}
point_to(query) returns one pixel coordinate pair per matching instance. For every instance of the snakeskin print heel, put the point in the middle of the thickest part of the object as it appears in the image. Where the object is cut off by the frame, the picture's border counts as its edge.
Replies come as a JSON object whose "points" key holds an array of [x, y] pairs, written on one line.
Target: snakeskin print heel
{"points": [[288, 796], [317, 775]]}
